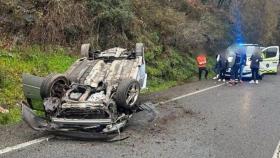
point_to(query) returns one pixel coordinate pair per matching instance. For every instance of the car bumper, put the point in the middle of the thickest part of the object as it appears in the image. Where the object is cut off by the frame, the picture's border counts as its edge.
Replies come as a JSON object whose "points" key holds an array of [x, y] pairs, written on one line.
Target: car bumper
{"points": [[245, 74], [80, 128]]}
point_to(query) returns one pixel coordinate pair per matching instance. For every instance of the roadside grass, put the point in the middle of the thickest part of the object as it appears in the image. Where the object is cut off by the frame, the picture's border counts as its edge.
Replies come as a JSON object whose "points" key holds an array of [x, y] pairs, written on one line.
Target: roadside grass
{"points": [[31, 60]]}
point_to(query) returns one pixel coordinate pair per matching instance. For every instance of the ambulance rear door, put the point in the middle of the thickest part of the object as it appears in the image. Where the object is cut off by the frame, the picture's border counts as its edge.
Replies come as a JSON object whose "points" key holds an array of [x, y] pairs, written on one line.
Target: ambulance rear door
{"points": [[270, 62]]}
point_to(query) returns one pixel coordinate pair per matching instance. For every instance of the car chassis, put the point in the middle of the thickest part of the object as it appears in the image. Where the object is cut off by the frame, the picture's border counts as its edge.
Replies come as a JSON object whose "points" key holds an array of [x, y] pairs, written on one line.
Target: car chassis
{"points": [[95, 97]]}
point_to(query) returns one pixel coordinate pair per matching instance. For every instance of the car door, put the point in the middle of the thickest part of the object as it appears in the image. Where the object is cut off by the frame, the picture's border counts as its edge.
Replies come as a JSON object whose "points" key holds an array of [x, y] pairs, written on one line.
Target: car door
{"points": [[270, 62], [31, 89]]}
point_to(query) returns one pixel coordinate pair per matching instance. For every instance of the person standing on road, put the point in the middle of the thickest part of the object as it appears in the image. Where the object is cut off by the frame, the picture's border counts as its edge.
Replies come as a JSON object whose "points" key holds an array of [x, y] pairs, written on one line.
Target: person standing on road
{"points": [[243, 60], [217, 67], [201, 62], [255, 66], [223, 64], [234, 69]]}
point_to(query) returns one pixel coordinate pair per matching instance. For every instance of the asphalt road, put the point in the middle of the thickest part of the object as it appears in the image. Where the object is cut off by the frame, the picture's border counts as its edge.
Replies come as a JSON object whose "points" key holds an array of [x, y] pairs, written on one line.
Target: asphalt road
{"points": [[225, 122]]}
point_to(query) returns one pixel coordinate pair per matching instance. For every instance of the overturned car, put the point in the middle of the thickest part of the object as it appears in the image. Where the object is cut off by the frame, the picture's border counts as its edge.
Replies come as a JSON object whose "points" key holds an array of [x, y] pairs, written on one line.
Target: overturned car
{"points": [[97, 94]]}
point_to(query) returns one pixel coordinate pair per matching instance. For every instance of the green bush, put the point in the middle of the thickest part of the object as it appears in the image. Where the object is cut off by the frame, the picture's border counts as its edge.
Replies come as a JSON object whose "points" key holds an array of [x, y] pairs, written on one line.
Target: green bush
{"points": [[112, 19], [165, 69]]}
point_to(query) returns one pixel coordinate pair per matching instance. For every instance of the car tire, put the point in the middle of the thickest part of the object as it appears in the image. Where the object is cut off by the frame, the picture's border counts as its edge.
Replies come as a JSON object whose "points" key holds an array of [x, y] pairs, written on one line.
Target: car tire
{"points": [[139, 49], [54, 86], [127, 93], [86, 51]]}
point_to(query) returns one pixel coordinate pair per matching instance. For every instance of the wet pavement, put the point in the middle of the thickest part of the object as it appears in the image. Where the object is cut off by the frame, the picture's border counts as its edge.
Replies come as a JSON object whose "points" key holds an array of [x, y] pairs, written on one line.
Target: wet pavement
{"points": [[240, 122]]}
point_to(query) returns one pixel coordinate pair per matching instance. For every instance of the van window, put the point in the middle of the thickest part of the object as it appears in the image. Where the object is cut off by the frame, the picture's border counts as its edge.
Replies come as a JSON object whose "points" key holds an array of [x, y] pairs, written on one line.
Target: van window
{"points": [[270, 53], [250, 50]]}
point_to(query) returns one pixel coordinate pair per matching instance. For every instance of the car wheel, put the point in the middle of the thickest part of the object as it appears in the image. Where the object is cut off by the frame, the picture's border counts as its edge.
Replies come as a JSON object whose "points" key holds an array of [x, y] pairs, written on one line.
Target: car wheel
{"points": [[127, 93], [86, 51], [139, 49], [54, 85]]}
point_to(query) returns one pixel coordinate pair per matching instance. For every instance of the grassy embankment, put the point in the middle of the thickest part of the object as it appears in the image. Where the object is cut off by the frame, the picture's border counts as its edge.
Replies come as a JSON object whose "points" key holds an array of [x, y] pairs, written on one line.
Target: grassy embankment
{"points": [[29, 60], [163, 72]]}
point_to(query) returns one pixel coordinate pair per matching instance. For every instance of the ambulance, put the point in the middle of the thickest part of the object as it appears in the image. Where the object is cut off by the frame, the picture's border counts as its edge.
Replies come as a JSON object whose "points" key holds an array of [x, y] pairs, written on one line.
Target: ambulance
{"points": [[270, 56]]}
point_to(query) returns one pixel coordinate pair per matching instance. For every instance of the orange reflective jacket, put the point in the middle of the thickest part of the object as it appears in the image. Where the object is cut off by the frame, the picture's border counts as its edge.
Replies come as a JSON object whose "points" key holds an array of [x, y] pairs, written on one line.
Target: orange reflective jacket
{"points": [[201, 60]]}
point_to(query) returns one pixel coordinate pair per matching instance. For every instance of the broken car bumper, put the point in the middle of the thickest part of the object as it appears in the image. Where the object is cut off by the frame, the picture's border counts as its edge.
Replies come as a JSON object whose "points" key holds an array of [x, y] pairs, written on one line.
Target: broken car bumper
{"points": [[81, 128]]}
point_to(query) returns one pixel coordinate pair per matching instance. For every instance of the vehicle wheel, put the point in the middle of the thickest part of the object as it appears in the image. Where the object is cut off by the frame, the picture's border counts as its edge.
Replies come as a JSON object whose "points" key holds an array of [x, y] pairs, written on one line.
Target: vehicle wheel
{"points": [[86, 51], [139, 49], [54, 85], [127, 93]]}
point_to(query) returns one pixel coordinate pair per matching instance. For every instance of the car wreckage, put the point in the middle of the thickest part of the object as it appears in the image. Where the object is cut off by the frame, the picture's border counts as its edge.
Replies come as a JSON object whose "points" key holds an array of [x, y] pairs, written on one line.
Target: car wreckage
{"points": [[96, 95]]}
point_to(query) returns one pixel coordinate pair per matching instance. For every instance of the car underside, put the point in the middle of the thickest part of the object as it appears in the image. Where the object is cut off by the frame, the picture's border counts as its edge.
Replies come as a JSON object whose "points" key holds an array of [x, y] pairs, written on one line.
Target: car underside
{"points": [[97, 94]]}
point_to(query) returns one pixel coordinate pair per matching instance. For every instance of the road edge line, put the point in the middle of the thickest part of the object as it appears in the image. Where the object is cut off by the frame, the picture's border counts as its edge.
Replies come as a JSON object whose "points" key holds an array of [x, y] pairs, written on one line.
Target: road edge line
{"points": [[192, 93], [23, 145]]}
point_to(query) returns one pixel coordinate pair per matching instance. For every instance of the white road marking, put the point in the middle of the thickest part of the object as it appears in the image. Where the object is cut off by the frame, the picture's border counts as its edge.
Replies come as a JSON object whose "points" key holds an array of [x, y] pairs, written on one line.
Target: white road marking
{"points": [[190, 94], [277, 151], [39, 140], [23, 145]]}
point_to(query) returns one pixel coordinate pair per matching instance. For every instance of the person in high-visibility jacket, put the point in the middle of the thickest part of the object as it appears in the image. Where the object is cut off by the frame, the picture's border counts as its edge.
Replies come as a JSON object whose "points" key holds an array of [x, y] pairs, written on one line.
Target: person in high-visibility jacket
{"points": [[201, 63]]}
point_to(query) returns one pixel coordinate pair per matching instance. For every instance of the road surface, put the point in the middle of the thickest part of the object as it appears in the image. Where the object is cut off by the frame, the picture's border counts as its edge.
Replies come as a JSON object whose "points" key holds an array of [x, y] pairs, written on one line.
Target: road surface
{"points": [[223, 122]]}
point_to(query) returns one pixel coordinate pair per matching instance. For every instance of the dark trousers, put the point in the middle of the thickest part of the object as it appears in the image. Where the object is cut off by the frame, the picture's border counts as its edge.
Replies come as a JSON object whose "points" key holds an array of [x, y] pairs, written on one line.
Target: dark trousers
{"points": [[234, 72], [200, 70], [222, 74], [240, 71], [255, 73]]}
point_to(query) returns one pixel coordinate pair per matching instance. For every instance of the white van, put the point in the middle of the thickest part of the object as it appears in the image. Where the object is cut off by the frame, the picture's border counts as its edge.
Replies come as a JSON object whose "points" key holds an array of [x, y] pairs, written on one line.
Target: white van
{"points": [[270, 56]]}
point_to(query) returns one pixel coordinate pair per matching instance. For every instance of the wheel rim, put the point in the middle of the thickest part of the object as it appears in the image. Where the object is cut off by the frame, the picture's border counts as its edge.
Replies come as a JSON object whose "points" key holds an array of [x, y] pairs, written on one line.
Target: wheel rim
{"points": [[132, 94], [58, 89]]}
